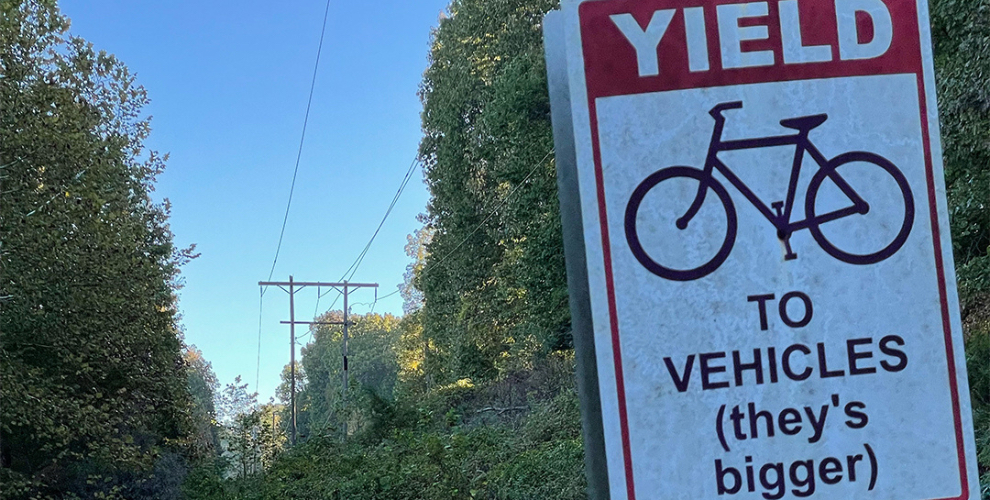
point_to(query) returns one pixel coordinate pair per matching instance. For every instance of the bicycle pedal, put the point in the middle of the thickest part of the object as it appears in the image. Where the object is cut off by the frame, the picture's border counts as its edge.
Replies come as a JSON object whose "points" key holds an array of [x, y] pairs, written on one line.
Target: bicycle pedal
{"points": [[789, 255]]}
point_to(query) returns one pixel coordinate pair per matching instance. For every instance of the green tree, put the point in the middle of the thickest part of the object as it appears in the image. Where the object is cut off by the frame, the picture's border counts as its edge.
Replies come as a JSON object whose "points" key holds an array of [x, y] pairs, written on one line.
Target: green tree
{"points": [[494, 282], [372, 366], [240, 424], [235, 400], [203, 387], [961, 32], [95, 401], [413, 351], [412, 297], [282, 393], [271, 438]]}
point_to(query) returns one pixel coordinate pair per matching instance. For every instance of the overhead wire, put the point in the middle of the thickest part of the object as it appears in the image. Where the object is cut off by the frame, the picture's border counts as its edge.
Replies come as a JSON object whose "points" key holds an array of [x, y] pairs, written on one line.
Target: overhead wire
{"points": [[476, 228], [292, 186], [352, 270], [383, 297], [349, 273], [495, 210], [302, 139], [320, 296], [307, 334], [402, 186]]}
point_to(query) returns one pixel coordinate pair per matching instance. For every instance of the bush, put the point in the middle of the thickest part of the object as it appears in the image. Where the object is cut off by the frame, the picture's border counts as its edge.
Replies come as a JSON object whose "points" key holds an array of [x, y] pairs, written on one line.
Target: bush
{"points": [[555, 470], [442, 455], [978, 367]]}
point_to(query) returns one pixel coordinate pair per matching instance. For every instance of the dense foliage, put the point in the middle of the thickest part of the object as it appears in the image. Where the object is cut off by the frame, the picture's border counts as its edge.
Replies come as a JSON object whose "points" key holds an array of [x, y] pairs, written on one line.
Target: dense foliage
{"points": [[372, 369], [961, 32], [203, 386], [517, 438], [493, 279], [432, 454], [95, 399]]}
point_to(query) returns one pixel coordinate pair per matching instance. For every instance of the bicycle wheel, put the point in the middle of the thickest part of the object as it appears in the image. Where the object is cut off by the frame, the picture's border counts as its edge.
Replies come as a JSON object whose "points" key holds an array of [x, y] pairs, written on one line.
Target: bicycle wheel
{"points": [[878, 227], [690, 272]]}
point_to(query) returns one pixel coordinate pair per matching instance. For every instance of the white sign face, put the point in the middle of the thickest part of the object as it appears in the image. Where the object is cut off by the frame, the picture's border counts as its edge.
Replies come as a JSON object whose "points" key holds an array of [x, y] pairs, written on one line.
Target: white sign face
{"points": [[767, 244]]}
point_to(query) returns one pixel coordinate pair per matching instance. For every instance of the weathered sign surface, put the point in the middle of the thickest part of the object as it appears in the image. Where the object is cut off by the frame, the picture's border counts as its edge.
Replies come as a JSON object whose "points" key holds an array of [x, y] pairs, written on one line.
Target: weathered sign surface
{"points": [[766, 250]]}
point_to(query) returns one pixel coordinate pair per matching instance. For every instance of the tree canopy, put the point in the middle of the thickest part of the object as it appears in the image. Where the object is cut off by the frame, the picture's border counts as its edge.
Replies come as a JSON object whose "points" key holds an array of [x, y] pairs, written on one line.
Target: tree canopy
{"points": [[373, 368], [95, 398], [493, 279], [961, 34]]}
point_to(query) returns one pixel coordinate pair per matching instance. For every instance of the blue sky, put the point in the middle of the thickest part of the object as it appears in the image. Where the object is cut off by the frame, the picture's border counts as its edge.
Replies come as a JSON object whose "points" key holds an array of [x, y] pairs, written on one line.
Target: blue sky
{"points": [[229, 82]]}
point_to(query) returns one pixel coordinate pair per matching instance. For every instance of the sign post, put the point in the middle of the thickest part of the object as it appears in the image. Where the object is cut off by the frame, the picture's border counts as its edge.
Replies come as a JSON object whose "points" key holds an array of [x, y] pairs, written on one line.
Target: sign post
{"points": [[758, 251]]}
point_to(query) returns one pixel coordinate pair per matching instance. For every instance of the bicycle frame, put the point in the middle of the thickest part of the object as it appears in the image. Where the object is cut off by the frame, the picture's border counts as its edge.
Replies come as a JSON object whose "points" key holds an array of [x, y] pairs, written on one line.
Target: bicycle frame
{"points": [[781, 220]]}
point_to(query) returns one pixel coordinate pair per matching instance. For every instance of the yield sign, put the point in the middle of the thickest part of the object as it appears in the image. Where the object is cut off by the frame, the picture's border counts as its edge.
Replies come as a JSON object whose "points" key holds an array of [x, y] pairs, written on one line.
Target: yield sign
{"points": [[758, 250]]}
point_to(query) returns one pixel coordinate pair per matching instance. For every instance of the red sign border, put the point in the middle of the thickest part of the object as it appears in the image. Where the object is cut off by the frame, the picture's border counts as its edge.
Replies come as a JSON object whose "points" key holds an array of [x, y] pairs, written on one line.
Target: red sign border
{"points": [[938, 253]]}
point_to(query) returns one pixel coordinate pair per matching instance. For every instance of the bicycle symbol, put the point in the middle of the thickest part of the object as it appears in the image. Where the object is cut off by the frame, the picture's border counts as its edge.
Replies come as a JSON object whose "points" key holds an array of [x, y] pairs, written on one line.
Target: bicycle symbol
{"points": [[780, 217]]}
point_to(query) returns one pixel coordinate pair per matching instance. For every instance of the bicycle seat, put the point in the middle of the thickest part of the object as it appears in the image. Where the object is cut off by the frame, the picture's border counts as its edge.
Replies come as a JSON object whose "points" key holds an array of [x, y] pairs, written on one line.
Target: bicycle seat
{"points": [[804, 122]]}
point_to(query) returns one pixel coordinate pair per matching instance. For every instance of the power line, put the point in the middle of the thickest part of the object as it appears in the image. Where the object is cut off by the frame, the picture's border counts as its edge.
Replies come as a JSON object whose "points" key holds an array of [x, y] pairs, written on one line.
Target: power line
{"points": [[349, 273], [302, 138], [502, 203], [316, 310], [307, 334], [405, 181], [374, 302], [493, 212], [292, 186], [383, 297]]}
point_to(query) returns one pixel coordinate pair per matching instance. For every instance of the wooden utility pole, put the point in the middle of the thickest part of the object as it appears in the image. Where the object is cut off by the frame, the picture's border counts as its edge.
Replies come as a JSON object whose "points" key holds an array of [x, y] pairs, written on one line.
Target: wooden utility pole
{"points": [[293, 287], [292, 357]]}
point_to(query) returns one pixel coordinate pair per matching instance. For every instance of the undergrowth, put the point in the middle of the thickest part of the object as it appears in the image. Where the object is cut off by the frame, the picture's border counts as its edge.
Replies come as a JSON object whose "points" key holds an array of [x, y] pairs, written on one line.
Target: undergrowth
{"points": [[490, 441]]}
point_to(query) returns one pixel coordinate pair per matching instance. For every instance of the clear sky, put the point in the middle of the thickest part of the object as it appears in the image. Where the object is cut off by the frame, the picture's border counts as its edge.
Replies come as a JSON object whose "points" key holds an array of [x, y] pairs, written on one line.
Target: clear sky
{"points": [[229, 82]]}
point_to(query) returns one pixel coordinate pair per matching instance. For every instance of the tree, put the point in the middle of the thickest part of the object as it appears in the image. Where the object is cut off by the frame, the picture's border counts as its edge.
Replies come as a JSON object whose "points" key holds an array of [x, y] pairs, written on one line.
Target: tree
{"points": [[271, 438], [94, 392], [240, 426], [282, 394], [236, 400], [961, 33], [494, 281], [412, 296], [372, 366], [203, 387], [413, 349]]}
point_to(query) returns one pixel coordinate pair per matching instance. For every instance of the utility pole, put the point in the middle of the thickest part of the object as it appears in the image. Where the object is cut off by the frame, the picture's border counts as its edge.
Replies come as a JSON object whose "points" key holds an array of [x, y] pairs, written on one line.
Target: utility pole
{"points": [[299, 285], [344, 354], [292, 357]]}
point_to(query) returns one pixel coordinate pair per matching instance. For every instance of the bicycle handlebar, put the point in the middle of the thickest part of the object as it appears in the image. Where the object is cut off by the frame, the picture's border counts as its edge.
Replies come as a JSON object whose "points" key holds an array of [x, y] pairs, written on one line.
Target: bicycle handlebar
{"points": [[716, 112]]}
